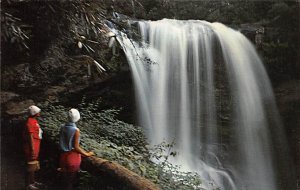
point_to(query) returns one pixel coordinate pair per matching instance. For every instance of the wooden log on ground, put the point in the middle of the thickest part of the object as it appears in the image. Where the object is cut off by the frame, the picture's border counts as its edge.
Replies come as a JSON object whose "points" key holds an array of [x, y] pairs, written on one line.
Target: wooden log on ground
{"points": [[116, 173]]}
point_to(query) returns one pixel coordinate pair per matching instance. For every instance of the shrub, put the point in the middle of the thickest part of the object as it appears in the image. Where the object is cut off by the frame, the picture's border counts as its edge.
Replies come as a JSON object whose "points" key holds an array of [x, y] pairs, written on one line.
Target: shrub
{"points": [[118, 141]]}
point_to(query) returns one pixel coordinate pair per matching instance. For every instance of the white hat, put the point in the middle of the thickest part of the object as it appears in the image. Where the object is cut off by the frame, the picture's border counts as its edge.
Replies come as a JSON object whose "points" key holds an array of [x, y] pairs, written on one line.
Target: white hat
{"points": [[33, 110], [74, 115]]}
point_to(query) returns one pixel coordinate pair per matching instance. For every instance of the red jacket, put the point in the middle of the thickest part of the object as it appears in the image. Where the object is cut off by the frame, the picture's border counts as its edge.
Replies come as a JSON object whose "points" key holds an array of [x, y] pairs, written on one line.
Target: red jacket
{"points": [[32, 127]]}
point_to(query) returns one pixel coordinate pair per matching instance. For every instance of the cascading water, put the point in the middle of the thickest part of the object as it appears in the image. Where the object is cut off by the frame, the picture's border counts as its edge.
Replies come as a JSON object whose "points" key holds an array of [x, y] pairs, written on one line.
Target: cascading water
{"points": [[177, 100]]}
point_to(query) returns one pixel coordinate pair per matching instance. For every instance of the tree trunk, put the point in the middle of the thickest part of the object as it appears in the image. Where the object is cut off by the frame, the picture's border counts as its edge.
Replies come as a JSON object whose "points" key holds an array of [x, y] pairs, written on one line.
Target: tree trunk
{"points": [[116, 174]]}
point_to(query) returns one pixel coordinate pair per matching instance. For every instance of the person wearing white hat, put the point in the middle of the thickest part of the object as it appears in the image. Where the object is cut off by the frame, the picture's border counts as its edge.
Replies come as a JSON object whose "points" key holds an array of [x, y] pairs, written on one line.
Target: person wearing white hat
{"points": [[32, 140], [70, 157]]}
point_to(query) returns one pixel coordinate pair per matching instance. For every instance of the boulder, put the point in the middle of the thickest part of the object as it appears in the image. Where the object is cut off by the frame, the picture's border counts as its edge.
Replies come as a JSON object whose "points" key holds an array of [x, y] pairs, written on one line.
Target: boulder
{"points": [[7, 96], [53, 92], [17, 108]]}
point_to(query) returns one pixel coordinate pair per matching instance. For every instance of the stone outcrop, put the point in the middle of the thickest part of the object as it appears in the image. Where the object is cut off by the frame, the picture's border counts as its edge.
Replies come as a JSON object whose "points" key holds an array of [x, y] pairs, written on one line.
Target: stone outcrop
{"points": [[18, 107]]}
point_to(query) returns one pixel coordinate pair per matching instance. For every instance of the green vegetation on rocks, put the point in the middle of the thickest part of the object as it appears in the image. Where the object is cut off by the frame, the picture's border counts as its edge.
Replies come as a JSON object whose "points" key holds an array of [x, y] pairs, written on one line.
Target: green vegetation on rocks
{"points": [[118, 141]]}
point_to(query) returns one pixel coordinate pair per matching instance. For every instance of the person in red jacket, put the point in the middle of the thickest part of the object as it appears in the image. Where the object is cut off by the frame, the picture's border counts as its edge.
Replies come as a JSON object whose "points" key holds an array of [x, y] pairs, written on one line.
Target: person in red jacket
{"points": [[32, 137]]}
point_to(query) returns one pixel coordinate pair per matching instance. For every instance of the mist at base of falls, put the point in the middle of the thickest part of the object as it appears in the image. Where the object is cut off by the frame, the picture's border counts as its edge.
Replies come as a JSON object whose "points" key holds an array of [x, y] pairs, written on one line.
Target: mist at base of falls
{"points": [[203, 86]]}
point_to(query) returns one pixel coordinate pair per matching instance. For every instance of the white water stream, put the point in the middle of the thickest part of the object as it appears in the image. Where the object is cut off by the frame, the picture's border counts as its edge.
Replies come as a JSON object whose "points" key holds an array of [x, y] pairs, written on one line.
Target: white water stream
{"points": [[177, 100]]}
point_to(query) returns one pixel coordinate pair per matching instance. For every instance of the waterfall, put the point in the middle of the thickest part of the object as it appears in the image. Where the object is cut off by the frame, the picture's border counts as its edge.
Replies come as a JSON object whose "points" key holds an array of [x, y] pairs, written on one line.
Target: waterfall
{"points": [[188, 77]]}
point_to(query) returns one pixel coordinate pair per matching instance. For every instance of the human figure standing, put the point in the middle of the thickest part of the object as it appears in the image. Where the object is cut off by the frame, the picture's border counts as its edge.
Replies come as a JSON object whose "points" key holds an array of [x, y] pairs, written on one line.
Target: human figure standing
{"points": [[32, 140], [70, 157]]}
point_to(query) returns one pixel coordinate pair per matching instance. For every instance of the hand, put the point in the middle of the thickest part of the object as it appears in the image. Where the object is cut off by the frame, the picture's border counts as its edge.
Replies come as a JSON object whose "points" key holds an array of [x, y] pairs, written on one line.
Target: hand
{"points": [[90, 154]]}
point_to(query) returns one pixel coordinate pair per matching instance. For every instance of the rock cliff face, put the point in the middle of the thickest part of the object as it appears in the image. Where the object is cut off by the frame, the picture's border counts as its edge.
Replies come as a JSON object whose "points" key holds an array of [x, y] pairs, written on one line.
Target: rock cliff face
{"points": [[288, 100]]}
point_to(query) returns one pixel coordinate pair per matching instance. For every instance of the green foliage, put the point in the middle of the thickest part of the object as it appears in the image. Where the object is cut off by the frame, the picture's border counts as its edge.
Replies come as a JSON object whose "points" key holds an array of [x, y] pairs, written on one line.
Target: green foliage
{"points": [[89, 182], [91, 123], [280, 47], [278, 9], [118, 141], [170, 176], [103, 125]]}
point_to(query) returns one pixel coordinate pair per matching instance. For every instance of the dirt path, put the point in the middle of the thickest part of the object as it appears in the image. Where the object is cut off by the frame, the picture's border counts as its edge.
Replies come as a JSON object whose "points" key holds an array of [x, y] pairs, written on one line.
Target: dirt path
{"points": [[12, 162]]}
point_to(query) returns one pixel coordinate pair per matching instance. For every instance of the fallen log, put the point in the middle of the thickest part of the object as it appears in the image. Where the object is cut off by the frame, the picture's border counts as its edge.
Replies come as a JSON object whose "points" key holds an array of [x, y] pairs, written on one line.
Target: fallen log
{"points": [[116, 173]]}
